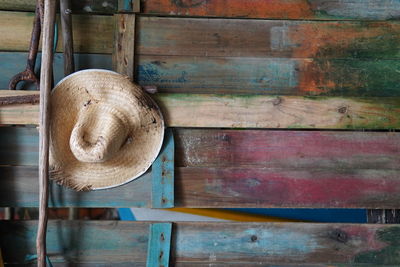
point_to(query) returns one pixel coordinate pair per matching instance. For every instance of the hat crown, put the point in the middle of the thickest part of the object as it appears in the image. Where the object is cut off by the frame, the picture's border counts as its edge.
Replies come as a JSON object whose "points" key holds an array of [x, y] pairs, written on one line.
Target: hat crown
{"points": [[99, 133]]}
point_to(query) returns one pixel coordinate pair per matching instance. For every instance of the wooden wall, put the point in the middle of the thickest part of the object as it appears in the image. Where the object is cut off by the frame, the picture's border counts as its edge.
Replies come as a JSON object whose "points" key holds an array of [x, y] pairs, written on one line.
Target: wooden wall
{"points": [[286, 103]]}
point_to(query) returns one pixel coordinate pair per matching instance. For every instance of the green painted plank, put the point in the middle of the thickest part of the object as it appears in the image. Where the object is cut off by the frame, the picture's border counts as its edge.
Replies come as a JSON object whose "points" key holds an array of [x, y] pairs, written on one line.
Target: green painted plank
{"points": [[110, 242], [267, 76], [270, 76]]}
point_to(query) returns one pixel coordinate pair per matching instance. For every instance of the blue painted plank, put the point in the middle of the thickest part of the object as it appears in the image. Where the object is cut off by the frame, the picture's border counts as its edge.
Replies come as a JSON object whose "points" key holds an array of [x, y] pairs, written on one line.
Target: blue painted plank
{"points": [[314, 215], [158, 250], [163, 174], [13, 62]]}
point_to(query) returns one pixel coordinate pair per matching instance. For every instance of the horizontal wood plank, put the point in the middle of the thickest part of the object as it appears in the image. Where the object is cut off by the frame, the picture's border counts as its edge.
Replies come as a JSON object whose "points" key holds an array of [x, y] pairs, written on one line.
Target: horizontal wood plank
{"points": [[78, 6], [268, 38], [222, 37], [270, 76], [12, 63], [245, 111], [225, 187], [248, 148], [269, 149], [20, 188], [267, 76], [300, 188], [92, 34], [278, 9], [216, 243]]}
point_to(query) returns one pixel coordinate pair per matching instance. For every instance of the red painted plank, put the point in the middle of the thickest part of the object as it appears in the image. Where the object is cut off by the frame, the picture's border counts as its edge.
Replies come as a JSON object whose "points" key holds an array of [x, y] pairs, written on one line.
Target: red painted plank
{"points": [[265, 187], [288, 149]]}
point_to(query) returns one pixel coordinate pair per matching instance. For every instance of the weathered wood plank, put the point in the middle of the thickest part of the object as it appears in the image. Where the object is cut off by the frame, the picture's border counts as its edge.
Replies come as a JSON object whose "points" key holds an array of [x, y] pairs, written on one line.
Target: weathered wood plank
{"points": [[270, 76], [268, 38], [216, 243], [293, 9], [244, 111], [383, 216], [19, 188], [78, 6], [124, 45], [274, 149], [13, 62], [92, 34], [225, 187], [265, 187], [241, 75], [278, 9], [248, 148], [222, 37]]}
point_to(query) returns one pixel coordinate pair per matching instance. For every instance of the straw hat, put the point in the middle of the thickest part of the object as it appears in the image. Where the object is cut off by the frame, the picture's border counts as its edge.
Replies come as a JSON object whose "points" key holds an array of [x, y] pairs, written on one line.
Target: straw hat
{"points": [[105, 131]]}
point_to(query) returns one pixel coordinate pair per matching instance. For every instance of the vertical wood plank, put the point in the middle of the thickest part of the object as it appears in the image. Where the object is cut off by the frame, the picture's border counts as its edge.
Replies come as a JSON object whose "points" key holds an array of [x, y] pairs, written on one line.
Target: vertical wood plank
{"points": [[66, 23], [159, 247], [383, 216], [124, 46], [46, 79], [162, 172]]}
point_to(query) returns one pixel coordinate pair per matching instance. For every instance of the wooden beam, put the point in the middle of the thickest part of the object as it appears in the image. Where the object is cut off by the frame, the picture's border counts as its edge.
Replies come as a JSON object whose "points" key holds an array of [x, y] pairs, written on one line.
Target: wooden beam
{"points": [[225, 187], [222, 37], [124, 45], [270, 76], [295, 9], [267, 76], [243, 111], [243, 244], [268, 38], [334, 150]]}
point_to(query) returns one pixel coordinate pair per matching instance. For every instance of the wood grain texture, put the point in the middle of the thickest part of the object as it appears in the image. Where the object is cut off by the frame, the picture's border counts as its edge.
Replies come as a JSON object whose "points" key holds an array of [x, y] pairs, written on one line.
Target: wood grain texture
{"points": [[13, 62], [244, 111], [91, 34], [266, 76], [270, 76], [248, 148], [227, 37], [19, 188], [294, 9], [225, 187], [216, 243], [124, 45], [300, 188], [268, 38], [272, 149], [78, 6]]}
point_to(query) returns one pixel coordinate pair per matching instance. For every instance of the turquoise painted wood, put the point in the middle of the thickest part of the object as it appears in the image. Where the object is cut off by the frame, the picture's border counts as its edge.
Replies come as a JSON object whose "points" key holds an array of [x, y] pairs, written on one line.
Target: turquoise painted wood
{"points": [[159, 248], [118, 243], [162, 195], [124, 5]]}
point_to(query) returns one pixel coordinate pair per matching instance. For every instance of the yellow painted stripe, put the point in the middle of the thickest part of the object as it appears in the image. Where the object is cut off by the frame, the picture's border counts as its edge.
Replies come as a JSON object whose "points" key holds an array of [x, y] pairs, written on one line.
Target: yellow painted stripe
{"points": [[231, 215]]}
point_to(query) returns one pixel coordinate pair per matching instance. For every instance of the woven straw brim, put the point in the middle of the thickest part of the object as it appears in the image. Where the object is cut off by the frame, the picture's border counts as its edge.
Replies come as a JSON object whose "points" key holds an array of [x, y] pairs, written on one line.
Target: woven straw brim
{"points": [[84, 91]]}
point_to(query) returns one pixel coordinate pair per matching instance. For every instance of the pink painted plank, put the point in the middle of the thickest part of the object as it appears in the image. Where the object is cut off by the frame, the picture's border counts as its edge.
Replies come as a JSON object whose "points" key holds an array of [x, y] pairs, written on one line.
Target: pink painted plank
{"points": [[288, 149], [265, 187]]}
